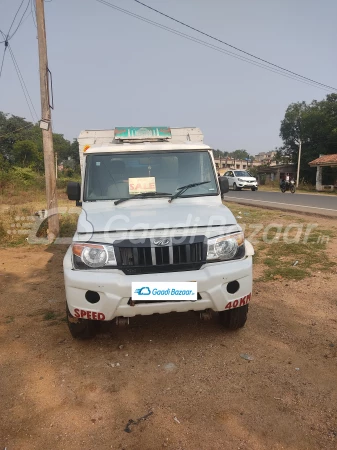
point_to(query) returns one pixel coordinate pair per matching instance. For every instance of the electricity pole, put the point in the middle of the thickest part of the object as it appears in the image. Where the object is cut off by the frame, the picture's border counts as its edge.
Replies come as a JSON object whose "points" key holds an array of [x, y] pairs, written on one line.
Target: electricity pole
{"points": [[45, 124], [299, 162]]}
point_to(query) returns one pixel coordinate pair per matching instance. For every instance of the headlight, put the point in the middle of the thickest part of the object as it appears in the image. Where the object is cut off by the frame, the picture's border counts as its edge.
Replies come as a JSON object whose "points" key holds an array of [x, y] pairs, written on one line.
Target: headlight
{"points": [[95, 255], [240, 179], [226, 247]]}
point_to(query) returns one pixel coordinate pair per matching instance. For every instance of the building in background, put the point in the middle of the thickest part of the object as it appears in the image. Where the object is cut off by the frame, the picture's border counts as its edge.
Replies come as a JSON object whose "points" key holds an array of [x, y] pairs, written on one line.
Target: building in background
{"points": [[276, 172], [225, 163], [320, 163], [266, 158]]}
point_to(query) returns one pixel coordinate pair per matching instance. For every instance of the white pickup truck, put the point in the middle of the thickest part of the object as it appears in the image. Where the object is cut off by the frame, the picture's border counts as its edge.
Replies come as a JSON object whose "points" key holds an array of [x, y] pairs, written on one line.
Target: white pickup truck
{"points": [[153, 235]]}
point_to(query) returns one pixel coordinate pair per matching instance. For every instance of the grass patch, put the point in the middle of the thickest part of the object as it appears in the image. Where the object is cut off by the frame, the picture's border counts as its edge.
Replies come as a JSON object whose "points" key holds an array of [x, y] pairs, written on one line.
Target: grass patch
{"points": [[50, 315], [19, 221], [9, 319], [288, 241], [296, 260], [68, 224], [53, 317], [288, 273]]}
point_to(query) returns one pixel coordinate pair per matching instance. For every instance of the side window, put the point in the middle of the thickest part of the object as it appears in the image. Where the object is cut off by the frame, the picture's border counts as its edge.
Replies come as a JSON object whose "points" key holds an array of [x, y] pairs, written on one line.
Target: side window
{"points": [[226, 174]]}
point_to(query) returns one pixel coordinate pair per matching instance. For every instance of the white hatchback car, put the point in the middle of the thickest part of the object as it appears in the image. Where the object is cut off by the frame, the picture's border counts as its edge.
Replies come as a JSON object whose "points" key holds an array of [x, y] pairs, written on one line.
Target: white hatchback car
{"points": [[239, 179]]}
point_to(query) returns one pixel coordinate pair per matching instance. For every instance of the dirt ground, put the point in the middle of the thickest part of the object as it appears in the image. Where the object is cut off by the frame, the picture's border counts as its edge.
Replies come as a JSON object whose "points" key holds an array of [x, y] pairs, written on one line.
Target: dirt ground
{"points": [[58, 393]]}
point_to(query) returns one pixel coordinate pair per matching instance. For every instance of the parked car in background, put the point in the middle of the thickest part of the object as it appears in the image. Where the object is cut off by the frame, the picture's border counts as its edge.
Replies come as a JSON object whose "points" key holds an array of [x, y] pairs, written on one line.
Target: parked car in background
{"points": [[240, 179]]}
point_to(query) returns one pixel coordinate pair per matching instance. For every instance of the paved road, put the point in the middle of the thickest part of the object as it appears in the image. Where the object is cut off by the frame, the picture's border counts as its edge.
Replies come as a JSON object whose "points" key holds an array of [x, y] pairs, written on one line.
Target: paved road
{"points": [[325, 205]]}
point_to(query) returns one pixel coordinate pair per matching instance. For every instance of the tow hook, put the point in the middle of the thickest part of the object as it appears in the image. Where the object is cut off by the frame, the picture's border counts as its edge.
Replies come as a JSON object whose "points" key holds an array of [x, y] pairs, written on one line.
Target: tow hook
{"points": [[206, 314], [122, 321]]}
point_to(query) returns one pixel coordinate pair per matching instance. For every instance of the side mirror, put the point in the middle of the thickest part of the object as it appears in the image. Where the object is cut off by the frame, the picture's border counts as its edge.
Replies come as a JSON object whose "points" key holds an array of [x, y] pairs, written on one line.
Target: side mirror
{"points": [[74, 192], [224, 186]]}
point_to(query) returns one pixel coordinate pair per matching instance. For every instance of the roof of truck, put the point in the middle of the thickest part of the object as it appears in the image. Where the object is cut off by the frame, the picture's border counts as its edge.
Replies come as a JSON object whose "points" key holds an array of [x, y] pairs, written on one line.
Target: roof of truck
{"points": [[144, 146]]}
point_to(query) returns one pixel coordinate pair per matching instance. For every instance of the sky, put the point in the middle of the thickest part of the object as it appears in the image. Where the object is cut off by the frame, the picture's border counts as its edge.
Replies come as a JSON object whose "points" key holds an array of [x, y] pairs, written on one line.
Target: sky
{"points": [[110, 69]]}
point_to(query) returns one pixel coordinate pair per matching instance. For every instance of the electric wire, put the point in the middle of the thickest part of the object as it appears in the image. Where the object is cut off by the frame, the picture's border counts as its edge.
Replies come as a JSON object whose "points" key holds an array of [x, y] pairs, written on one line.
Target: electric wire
{"points": [[23, 18], [18, 129], [23, 86], [4, 36], [21, 21], [4, 53], [212, 46], [33, 6], [17, 12], [232, 46], [3, 59]]}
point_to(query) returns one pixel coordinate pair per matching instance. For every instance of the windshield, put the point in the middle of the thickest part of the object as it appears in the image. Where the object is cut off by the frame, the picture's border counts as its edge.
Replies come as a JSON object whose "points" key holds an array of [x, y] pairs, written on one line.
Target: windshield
{"points": [[242, 173], [124, 175]]}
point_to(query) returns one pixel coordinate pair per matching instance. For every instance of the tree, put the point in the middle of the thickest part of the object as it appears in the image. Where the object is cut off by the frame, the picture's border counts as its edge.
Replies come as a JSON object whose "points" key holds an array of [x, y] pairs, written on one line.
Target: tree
{"points": [[253, 171], [26, 153], [240, 154], [219, 154], [14, 129], [74, 152], [315, 124], [281, 157]]}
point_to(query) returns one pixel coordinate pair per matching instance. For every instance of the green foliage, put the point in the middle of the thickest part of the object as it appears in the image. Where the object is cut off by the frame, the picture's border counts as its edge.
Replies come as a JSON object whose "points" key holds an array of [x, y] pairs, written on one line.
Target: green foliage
{"points": [[5, 179], [237, 154], [50, 315], [219, 154], [315, 125], [68, 225], [64, 180], [253, 171], [21, 144], [25, 175], [263, 179], [240, 154], [282, 158], [18, 179], [26, 153], [4, 164]]}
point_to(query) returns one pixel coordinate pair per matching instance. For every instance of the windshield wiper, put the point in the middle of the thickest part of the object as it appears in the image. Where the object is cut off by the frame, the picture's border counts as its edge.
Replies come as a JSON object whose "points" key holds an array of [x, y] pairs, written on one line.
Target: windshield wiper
{"points": [[142, 195], [183, 189]]}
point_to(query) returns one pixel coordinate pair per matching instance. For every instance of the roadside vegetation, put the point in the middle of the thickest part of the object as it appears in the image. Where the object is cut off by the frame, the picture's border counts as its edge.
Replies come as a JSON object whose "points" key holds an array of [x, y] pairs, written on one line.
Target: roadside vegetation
{"points": [[21, 160], [304, 188], [287, 246]]}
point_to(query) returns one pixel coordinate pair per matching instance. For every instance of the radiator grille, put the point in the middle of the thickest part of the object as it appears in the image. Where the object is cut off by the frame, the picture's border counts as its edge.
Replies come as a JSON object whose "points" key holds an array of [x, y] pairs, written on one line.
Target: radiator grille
{"points": [[188, 254]]}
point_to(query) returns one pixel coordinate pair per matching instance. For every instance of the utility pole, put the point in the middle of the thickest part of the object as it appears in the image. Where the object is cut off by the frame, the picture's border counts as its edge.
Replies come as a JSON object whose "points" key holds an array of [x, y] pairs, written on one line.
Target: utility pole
{"points": [[299, 162], [47, 133], [56, 165]]}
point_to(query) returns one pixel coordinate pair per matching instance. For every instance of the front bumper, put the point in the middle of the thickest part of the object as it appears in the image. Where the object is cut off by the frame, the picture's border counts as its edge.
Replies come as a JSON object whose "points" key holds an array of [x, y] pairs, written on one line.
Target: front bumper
{"points": [[114, 288], [244, 184]]}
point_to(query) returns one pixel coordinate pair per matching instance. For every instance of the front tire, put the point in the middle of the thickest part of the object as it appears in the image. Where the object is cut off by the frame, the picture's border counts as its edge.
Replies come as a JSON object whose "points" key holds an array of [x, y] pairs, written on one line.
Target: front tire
{"points": [[235, 188], [254, 189], [81, 328], [292, 189], [234, 319]]}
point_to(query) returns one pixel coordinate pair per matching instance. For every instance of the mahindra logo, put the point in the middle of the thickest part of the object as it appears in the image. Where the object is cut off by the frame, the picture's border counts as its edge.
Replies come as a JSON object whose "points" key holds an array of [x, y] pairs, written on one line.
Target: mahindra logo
{"points": [[162, 242]]}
